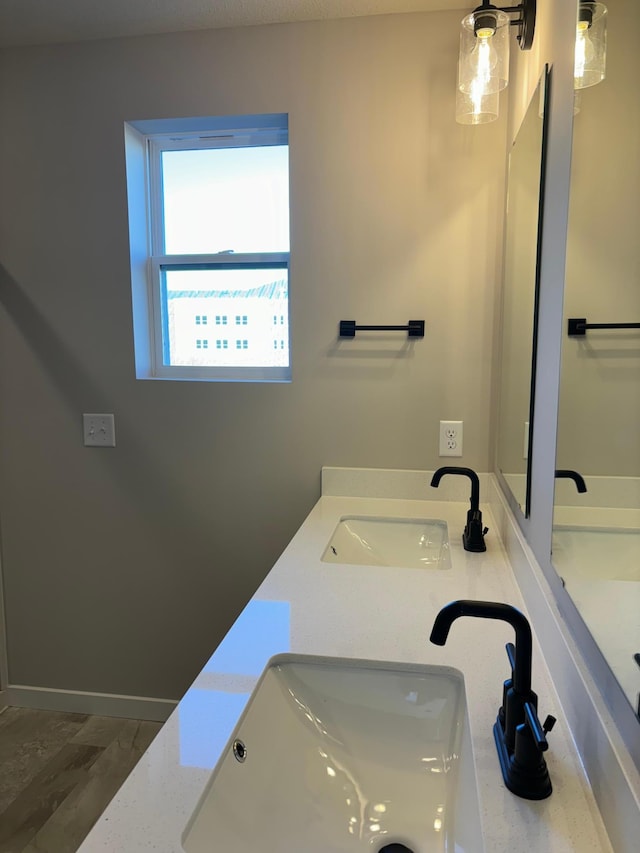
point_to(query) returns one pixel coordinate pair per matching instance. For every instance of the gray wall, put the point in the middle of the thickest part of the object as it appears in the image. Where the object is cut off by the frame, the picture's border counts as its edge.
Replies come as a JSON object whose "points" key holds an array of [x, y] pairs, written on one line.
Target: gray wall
{"points": [[124, 567]]}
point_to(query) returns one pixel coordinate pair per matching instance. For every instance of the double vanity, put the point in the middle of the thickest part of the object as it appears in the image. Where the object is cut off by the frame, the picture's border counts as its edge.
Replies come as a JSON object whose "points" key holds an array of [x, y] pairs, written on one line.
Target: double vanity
{"points": [[334, 724]]}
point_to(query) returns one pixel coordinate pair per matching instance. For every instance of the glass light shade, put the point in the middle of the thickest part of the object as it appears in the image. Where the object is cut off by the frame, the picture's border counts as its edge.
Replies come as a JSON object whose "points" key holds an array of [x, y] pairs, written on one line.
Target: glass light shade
{"points": [[483, 64], [591, 45], [476, 108], [577, 101]]}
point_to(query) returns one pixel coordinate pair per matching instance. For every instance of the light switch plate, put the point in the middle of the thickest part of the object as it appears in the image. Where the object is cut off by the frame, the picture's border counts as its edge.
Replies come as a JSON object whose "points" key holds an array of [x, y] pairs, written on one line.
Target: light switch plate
{"points": [[99, 430]]}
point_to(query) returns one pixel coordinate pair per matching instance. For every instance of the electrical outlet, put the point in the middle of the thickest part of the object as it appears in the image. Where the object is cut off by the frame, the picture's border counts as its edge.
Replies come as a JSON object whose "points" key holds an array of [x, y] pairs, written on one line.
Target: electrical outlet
{"points": [[450, 438], [99, 430]]}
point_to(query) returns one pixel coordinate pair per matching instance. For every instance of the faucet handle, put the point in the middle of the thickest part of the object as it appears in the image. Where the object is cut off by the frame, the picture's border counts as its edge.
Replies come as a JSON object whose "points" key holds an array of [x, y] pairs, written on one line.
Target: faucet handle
{"points": [[511, 654], [549, 723], [539, 732], [526, 770]]}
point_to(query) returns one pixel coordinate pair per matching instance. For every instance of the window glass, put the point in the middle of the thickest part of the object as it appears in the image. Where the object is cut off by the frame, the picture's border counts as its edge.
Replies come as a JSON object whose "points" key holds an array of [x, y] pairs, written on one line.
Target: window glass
{"points": [[226, 200], [251, 293]]}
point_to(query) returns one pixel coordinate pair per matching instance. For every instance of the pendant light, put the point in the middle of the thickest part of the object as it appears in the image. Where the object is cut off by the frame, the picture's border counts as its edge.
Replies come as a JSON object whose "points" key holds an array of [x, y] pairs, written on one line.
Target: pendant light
{"points": [[483, 64], [591, 45], [476, 107]]}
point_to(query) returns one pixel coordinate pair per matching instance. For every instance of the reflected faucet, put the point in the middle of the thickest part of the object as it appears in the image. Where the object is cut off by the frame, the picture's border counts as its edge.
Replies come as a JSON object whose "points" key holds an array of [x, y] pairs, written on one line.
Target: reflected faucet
{"points": [[568, 474], [519, 737], [474, 532]]}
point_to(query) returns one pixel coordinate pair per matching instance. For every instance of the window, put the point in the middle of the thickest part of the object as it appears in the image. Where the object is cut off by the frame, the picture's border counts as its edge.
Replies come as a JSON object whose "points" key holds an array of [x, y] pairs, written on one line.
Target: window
{"points": [[212, 194]]}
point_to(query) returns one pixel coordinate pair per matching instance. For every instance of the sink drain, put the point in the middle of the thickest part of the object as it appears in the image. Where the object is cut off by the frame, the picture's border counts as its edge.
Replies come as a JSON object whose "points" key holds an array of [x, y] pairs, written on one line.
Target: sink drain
{"points": [[395, 848], [239, 750]]}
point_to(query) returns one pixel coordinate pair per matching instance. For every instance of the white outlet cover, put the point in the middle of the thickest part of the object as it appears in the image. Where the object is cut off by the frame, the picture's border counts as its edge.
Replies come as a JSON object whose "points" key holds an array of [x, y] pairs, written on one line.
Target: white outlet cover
{"points": [[450, 443]]}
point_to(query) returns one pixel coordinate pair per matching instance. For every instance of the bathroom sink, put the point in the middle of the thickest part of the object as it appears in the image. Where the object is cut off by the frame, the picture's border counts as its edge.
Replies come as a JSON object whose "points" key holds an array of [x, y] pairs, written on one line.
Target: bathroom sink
{"points": [[334, 755], [596, 554], [420, 543]]}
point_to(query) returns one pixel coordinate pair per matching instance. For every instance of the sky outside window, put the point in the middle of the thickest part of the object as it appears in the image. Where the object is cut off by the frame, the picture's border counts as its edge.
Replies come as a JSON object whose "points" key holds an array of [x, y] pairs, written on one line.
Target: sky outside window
{"points": [[223, 199]]}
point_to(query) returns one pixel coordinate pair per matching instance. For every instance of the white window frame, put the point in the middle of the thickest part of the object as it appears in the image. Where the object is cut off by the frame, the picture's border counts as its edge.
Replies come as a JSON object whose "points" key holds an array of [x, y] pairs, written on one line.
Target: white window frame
{"points": [[151, 138]]}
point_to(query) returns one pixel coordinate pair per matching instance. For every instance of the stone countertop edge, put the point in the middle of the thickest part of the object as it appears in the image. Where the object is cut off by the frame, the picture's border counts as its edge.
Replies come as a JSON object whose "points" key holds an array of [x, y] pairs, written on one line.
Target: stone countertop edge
{"points": [[373, 613]]}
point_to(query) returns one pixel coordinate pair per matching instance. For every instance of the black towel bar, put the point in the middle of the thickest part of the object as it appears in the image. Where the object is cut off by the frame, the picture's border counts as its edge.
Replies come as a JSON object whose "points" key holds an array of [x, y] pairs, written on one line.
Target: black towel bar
{"points": [[414, 329], [577, 326]]}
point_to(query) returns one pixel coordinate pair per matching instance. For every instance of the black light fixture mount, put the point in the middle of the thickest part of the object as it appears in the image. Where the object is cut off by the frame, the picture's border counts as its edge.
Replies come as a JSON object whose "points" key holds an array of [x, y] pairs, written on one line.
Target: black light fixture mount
{"points": [[484, 16], [526, 22]]}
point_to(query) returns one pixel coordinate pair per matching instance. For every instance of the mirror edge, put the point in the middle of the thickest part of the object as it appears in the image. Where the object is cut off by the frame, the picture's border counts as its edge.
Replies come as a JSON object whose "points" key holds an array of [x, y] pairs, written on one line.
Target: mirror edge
{"points": [[545, 82]]}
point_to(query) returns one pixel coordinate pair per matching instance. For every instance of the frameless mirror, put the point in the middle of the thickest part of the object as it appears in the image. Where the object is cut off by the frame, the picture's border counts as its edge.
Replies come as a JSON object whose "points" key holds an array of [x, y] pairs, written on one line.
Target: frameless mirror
{"points": [[520, 292], [596, 533]]}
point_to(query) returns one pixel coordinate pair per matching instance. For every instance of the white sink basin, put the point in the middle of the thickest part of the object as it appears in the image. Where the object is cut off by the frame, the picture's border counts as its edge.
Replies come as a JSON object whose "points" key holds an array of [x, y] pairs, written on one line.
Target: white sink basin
{"points": [[413, 543], [344, 755], [593, 554]]}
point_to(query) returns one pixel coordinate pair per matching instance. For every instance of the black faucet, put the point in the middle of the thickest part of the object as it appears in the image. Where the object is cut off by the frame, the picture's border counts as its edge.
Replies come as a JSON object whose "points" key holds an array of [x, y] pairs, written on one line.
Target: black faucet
{"points": [[520, 739], [474, 532], [568, 474]]}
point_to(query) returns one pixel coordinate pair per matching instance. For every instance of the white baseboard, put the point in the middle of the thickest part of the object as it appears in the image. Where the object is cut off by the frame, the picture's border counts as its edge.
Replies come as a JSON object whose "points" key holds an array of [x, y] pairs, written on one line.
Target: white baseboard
{"points": [[80, 702]]}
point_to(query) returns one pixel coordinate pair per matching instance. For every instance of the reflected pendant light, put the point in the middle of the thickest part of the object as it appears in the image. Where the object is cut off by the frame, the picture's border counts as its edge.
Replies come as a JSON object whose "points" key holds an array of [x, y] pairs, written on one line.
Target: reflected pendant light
{"points": [[591, 45], [483, 64]]}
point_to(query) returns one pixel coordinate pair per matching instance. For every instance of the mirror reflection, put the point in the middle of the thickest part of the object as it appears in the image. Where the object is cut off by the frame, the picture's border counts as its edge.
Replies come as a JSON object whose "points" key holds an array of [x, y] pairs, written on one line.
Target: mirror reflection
{"points": [[520, 278], [596, 536]]}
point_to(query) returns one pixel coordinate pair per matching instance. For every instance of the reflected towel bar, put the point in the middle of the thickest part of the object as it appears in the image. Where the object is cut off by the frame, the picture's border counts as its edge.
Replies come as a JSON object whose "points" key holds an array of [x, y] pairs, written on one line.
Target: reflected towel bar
{"points": [[414, 329], [578, 326]]}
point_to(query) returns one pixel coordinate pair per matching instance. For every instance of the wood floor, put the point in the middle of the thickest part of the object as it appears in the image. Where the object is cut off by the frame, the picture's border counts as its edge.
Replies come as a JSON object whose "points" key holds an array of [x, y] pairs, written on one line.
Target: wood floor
{"points": [[58, 772]]}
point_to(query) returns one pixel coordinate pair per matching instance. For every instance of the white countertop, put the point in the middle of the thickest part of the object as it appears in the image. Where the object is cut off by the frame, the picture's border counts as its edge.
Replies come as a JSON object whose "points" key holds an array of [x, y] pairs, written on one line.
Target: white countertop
{"points": [[310, 607]]}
